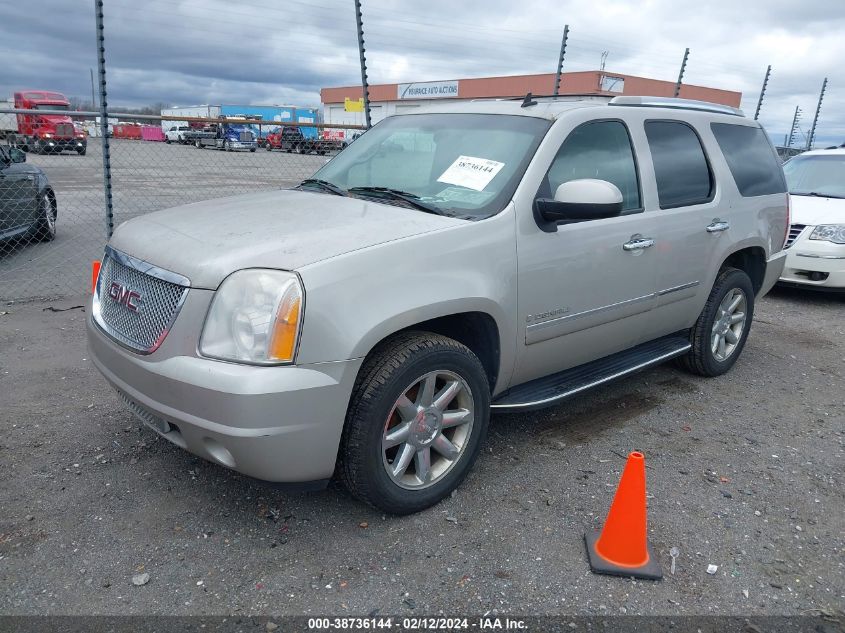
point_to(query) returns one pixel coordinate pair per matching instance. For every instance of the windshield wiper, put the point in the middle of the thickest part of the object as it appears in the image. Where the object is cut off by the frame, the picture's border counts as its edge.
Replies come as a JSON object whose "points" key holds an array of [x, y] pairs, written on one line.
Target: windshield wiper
{"points": [[325, 185], [816, 194], [394, 194]]}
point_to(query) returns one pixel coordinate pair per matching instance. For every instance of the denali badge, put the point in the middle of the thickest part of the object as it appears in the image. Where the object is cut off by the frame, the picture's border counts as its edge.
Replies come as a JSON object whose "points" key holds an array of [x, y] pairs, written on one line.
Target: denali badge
{"points": [[125, 296]]}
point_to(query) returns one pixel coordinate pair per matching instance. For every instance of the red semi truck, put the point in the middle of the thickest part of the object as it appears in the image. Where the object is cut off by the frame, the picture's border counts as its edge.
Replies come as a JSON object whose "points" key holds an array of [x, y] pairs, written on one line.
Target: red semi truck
{"points": [[42, 133]]}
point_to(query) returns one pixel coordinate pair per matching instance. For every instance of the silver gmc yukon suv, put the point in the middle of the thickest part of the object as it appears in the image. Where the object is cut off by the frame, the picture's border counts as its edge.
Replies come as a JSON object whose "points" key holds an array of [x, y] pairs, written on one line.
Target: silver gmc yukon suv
{"points": [[490, 255]]}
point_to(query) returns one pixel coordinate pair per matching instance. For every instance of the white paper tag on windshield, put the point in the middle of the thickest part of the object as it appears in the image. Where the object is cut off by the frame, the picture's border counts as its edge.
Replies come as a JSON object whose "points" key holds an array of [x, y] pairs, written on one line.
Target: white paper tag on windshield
{"points": [[471, 172]]}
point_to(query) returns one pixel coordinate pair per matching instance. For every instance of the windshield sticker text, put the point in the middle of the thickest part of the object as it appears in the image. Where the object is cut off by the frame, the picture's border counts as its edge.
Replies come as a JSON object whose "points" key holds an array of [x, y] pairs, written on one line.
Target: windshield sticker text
{"points": [[470, 172]]}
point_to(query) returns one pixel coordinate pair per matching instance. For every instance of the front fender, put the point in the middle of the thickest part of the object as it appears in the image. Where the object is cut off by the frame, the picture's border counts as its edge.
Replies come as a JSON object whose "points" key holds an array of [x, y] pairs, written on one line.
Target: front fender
{"points": [[355, 300]]}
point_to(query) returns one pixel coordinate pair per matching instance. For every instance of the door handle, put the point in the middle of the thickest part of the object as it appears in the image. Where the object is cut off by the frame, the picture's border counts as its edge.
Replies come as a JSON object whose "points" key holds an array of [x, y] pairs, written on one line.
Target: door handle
{"points": [[638, 243], [717, 226]]}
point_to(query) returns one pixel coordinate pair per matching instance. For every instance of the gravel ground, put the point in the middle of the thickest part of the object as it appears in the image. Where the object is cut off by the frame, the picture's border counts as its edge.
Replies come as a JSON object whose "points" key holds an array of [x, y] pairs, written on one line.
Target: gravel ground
{"points": [[744, 472]]}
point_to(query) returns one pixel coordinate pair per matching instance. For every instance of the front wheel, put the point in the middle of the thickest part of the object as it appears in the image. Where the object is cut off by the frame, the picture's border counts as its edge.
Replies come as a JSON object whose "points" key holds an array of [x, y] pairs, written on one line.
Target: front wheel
{"points": [[81, 151], [415, 424], [718, 336], [45, 228]]}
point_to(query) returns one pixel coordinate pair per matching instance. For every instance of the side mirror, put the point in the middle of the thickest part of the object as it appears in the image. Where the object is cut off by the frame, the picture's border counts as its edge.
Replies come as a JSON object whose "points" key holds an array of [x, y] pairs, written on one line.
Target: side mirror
{"points": [[578, 201], [17, 155]]}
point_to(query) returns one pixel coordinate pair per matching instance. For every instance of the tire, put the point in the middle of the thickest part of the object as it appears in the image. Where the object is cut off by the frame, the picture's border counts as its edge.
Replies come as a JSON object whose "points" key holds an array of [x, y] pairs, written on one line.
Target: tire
{"points": [[198, 145], [227, 147], [398, 368], [167, 141], [714, 351], [45, 228], [251, 149], [82, 151], [268, 147]]}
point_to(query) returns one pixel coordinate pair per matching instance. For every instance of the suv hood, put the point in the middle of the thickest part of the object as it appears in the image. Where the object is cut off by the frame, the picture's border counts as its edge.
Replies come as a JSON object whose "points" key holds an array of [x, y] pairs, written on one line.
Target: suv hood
{"points": [[206, 241], [814, 210]]}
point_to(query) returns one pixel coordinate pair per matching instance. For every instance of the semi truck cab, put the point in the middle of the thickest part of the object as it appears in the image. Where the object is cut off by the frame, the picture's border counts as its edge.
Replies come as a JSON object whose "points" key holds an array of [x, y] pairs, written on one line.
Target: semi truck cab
{"points": [[45, 133]]}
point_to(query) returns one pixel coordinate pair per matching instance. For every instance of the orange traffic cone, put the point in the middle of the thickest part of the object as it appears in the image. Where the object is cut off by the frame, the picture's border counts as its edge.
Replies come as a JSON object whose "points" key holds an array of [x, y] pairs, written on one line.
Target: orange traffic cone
{"points": [[622, 548], [95, 273]]}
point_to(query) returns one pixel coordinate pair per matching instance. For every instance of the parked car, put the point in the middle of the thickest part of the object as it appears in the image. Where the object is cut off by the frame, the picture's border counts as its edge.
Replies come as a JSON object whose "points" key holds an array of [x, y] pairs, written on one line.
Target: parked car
{"points": [[291, 139], [27, 202], [176, 134], [468, 257], [816, 244]]}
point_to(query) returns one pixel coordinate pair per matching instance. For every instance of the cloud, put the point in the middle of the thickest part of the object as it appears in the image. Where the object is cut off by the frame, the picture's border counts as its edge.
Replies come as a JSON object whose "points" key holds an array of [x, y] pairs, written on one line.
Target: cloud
{"points": [[215, 51]]}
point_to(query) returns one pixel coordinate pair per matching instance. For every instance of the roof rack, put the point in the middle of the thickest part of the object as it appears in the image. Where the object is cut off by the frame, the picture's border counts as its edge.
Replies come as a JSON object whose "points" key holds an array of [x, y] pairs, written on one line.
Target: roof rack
{"points": [[677, 104], [560, 97]]}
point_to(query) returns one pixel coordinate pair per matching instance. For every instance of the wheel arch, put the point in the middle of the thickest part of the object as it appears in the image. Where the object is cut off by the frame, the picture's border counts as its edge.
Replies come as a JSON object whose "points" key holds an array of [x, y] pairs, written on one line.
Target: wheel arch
{"points": [[752, 261], [477, 329]]}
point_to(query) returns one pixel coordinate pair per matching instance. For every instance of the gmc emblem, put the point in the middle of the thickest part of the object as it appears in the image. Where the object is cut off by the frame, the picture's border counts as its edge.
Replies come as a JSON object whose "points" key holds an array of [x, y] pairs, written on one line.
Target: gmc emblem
{"points": [[124, 296]]}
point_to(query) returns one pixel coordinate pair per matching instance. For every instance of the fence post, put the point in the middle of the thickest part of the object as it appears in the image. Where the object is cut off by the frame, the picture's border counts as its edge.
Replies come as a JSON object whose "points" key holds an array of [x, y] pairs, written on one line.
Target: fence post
{"points": [[364, 82], [104, 120]]}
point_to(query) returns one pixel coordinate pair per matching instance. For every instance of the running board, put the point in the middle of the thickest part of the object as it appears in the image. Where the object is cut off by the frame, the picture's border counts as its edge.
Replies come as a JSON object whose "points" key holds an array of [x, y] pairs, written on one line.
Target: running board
{"points": [[550, 390]]}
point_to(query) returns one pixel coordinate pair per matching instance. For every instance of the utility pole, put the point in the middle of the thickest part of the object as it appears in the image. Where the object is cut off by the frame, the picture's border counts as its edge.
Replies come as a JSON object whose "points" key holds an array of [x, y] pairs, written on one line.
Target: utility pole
{"points": [[795, 119], [560, 58], [812, 136], [762, 91], [681, 74], [93, 98], [364, 84]]}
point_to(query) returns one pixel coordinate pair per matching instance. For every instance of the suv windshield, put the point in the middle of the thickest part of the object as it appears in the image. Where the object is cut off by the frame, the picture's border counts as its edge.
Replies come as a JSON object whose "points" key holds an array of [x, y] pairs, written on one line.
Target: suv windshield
{"points": [[466, 165], [816, 175]]}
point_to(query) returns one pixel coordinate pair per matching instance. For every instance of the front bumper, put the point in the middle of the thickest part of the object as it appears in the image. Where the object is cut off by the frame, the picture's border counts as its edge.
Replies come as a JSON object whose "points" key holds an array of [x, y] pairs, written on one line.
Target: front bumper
{"points": [[60, 144], [278, 424], [814, 263], [242, 145]]}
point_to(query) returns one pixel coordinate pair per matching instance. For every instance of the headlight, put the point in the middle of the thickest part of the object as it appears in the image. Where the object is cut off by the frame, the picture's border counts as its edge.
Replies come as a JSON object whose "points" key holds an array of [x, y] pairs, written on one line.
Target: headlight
{"points": [[829, 233], [46, 135], [254, 318]]}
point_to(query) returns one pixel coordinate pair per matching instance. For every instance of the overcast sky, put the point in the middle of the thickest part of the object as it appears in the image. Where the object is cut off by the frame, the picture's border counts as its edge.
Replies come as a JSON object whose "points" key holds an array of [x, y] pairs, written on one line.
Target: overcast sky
{"points": [[188, 52]]}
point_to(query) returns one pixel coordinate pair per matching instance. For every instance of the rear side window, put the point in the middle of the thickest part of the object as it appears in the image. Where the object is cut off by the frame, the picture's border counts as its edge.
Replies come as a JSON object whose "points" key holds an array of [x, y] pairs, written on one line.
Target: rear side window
{"points": [[750, 158], [680, 166]]}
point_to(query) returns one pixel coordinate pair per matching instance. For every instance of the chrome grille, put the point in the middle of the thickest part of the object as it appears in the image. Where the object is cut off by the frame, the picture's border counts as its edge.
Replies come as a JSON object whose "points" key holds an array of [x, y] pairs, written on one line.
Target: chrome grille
{"points": [[157, 303], [245, 137], [64, 129], [794, 231]]}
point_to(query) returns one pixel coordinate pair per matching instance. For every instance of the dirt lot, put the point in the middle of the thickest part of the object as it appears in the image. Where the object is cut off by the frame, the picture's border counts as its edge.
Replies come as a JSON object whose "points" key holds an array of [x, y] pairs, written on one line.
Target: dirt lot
{"points": [[744, 472]]}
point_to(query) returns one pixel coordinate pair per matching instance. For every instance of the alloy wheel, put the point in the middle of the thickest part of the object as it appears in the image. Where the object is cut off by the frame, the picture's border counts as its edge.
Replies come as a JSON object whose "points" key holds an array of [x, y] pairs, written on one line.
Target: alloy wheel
{"points": [[428, 429], [728, 325]]}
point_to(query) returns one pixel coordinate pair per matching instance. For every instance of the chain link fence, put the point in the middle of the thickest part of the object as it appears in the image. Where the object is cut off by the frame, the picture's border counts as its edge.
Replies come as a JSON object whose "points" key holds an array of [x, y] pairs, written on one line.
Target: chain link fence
{"points": [[53, 214]]}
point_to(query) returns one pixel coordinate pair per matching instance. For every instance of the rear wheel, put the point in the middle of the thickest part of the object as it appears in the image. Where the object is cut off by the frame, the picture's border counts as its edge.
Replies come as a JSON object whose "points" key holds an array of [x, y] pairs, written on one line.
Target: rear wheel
{"points": [[718, 336], [415, 424]]}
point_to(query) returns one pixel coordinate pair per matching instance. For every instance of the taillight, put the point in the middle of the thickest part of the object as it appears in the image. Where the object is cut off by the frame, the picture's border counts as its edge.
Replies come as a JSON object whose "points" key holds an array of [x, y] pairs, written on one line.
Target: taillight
{"points": [[788, 222]]}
